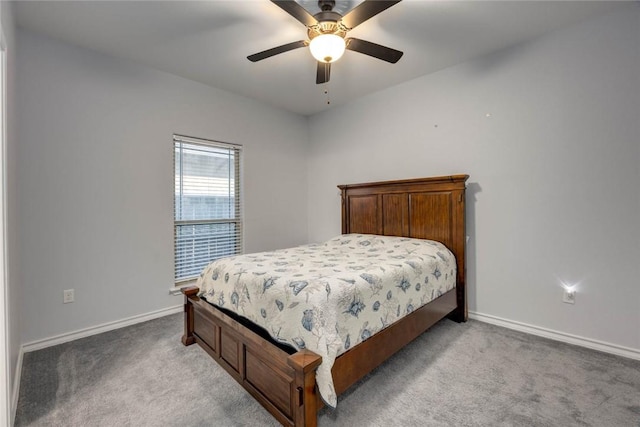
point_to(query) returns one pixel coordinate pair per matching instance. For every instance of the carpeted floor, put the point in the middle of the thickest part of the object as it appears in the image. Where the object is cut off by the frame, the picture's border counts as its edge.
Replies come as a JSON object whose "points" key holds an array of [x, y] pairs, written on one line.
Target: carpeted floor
{"points": [[471, 374]]}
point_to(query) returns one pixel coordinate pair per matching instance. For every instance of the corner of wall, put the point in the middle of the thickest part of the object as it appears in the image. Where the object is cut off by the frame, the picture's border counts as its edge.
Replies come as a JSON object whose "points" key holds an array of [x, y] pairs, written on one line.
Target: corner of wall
{"points": [[13, 289]]}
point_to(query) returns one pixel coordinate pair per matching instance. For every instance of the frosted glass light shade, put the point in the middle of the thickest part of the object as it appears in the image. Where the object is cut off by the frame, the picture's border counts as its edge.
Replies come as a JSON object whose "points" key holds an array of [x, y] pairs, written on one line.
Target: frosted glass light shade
{"points": [[327, 47]]}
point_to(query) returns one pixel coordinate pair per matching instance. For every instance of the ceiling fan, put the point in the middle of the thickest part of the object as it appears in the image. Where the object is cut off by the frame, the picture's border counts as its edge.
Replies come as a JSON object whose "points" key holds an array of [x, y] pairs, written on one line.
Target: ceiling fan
{"points": [[327, 32]]}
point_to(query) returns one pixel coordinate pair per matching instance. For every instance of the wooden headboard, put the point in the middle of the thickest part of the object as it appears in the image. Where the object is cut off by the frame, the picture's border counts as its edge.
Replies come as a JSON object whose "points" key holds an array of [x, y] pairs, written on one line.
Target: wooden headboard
{"points": [[424, 208]]}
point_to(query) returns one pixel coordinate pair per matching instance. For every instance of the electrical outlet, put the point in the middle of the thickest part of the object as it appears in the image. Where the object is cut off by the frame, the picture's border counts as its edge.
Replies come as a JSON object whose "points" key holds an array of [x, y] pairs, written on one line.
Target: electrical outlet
{"points": [[569, 297], [67, 296]]}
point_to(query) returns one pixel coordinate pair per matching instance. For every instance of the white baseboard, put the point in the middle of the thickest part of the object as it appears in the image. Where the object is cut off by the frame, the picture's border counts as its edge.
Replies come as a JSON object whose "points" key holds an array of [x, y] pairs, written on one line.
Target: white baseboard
{"points": [[15, 390], [605, 347], [94, 330]]}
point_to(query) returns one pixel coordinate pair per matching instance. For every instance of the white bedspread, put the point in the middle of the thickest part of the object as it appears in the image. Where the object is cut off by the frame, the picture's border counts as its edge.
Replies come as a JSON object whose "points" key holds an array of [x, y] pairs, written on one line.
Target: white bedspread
{"points": [[331, 296]]}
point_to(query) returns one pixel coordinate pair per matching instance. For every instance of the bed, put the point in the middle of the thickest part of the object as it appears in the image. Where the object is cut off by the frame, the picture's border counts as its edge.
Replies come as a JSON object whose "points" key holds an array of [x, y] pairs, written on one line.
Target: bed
{"points": [[283, 378]]}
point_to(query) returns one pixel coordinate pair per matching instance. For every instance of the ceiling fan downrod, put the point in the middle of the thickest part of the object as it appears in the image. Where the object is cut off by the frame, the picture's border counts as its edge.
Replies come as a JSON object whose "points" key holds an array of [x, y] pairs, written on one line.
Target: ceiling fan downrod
{"points": [[326, 5]]}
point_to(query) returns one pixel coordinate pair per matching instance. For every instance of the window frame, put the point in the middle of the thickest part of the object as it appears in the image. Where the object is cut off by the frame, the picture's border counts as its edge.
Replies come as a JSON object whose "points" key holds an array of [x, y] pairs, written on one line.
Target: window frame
{"points": [[238, 218]]}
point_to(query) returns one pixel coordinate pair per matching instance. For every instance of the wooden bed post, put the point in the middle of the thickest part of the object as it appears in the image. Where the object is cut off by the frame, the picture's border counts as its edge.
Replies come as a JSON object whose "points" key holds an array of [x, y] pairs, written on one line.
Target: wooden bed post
{"points": [[305, 404], [188, 338], [459, 245]]}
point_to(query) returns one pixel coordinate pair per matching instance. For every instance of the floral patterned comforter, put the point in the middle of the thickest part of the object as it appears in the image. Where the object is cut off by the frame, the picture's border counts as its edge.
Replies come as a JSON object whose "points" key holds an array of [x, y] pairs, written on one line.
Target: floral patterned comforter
{"points": [[330, 296]]}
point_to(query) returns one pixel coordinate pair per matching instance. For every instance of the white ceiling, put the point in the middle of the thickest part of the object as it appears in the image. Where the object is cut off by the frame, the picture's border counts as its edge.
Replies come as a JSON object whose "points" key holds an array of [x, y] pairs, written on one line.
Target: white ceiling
{"points": [[208, 41]]}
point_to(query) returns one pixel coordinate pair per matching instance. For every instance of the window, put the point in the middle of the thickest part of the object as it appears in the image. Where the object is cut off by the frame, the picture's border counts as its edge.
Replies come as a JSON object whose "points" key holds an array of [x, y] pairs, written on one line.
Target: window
{"points": [[207, 204]]}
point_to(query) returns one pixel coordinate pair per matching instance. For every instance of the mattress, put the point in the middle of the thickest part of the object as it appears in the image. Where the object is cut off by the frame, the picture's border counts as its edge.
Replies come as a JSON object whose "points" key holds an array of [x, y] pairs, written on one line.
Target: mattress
{"points": [[328, 297]]}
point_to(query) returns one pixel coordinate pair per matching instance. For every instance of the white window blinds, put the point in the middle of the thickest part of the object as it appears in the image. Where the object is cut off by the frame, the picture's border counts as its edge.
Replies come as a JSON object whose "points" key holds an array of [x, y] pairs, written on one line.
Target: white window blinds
{"points": [[207, 204]]}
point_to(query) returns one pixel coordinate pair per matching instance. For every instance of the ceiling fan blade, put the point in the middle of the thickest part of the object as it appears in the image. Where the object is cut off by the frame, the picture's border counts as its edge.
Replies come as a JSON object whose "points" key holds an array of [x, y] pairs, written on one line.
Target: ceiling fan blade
{"points": [[375, 50], [323, 73], [366, 10], [294, 9], [276, 50]]}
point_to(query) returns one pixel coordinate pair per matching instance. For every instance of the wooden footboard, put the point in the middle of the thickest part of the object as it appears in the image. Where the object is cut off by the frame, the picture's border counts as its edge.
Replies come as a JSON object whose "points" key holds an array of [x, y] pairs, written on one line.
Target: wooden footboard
{"points": [[283, 383]]}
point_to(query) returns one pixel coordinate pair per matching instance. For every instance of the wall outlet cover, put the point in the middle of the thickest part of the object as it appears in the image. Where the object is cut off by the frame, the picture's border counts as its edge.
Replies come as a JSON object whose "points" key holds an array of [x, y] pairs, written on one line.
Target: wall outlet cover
{"points": [[569, 297], [68, 296]]}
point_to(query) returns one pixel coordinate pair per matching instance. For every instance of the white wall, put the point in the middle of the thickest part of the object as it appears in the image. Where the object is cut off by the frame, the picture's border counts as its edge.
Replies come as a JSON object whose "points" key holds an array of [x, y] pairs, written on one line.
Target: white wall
{"points": [[552, 196], [12, 237], [553, 193], [95, 180]]}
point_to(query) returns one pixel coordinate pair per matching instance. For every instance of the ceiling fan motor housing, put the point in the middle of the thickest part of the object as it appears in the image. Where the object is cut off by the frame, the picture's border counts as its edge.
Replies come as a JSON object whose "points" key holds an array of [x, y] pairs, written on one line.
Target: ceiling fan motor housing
{"points": [[327, 27], [329, 22]]}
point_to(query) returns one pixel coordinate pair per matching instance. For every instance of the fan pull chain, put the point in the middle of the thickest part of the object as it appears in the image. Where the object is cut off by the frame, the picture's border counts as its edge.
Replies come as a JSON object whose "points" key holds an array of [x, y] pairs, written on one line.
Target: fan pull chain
{"points": [[326, 92]]}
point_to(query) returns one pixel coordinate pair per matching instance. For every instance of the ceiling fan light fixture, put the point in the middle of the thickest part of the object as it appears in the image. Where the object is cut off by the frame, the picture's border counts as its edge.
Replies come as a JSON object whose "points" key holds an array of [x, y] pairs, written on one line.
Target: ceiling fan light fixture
{"points": [[327, 33], [327, 48]]}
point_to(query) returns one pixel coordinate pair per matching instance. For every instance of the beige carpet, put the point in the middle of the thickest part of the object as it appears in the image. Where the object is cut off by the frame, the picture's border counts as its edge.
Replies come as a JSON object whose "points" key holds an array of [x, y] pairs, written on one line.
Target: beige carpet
{"points": [[471, 374]]}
